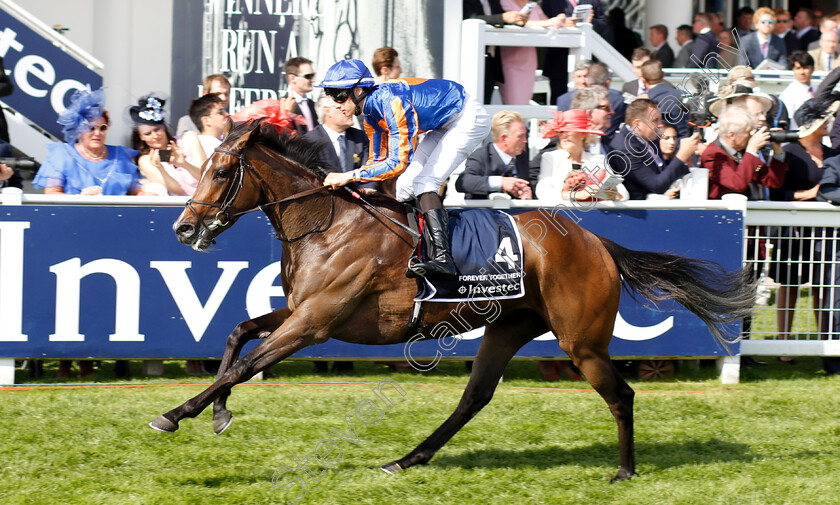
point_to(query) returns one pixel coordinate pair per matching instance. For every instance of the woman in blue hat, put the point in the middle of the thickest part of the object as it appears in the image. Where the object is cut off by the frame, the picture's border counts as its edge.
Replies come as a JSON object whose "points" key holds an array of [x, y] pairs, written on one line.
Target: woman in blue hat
{"points": [[394, 114]]}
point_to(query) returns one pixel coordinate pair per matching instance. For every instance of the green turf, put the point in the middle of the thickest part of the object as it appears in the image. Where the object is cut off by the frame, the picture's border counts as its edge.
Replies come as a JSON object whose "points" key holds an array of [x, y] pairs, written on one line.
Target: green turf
{"points": [[771, 439]]}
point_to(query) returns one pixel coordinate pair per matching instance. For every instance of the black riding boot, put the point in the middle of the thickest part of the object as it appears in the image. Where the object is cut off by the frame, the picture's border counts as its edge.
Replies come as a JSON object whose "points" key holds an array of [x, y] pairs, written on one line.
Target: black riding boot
{"points": [[436, 234]]}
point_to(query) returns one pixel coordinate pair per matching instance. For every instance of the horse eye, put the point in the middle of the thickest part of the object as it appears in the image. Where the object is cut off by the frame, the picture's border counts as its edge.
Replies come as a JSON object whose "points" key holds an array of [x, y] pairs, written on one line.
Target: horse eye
{"points": [[221, 174]]}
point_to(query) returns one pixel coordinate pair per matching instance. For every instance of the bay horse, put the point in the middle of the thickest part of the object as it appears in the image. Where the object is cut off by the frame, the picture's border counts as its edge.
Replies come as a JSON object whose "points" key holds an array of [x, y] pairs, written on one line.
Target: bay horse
{"points": [[343, 269]]}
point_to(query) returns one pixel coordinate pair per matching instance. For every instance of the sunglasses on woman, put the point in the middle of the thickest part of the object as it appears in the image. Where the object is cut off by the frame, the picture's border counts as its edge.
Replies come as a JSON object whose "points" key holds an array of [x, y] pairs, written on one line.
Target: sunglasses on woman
{"points": [[99, 128]]}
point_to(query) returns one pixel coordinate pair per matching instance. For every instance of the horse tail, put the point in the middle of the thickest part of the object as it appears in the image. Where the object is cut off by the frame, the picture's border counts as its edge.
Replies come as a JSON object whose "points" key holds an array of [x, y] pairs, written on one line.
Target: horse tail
{"points": [[715, 295]]}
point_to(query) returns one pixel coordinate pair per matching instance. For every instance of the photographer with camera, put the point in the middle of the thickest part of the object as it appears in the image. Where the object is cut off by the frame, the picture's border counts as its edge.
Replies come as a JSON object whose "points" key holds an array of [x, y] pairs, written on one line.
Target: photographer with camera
{"points": [[734, 161]]}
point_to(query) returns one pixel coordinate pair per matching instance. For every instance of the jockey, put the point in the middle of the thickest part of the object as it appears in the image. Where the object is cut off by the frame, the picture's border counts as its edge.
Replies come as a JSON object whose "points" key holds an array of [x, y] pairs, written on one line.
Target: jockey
{"points": [[394, 113]]}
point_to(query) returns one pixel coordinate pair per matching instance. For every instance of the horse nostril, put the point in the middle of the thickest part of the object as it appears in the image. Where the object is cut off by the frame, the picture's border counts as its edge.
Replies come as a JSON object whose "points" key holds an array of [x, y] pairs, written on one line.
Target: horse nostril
{"points": [[185, 230]]}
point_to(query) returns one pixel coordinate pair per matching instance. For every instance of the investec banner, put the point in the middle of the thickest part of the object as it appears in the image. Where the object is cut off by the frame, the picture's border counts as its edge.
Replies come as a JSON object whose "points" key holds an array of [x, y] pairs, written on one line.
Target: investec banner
{"points": [[113, 282], [44, 75]]}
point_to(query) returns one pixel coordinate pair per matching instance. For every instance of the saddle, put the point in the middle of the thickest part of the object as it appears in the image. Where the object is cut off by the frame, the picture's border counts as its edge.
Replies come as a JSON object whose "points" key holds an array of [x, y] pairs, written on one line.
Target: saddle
{"points": [[487, 249]]}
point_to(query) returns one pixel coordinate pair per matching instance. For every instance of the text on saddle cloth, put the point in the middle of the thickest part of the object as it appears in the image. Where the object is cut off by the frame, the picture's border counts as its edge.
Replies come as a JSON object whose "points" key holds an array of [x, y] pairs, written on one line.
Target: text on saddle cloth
{"points": [[487, 249]]}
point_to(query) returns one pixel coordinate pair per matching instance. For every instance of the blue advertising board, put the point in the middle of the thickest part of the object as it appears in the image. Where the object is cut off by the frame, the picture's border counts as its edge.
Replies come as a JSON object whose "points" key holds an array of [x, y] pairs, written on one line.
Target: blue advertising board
{"points": [[114, 282], [44, 76]]}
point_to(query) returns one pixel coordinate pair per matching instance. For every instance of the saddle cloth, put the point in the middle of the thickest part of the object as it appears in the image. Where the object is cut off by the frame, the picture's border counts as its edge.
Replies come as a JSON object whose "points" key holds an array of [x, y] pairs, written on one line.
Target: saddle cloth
{"points": [[487, 250]]}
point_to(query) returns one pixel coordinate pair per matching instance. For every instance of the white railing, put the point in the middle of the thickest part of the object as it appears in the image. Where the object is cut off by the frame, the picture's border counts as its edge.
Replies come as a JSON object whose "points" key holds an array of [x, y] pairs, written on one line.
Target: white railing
{"points": [[794, 249], [582, 42], [48, 33]]}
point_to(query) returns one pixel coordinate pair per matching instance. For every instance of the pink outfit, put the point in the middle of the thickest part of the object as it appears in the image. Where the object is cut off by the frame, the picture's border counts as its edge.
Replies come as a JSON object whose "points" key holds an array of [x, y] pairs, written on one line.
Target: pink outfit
{"points": [[181, 175], [519, 64]]}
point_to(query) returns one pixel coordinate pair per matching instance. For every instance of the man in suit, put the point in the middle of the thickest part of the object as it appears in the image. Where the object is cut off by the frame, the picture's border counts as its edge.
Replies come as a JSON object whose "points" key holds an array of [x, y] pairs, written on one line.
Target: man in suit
{"points": [[763, 44], [805, 31], [344, 148], [492, 168], [492, 13], [636, 87], [685, 39], [705, 43], [733, 160], [744, 21], [783, 28], [580, 77], [636, 155], [555, 60], [667, 97], [661, 50], [300, 76], [826, 56], [826, 25], [599, 75], [595, 101]]}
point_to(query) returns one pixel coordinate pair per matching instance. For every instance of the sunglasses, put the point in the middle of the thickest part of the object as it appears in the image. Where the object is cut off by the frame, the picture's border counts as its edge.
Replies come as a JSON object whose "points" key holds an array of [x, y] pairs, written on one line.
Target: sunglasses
{"points": [[307, 76], [768, 21], [605, 108], [100, 128], [339, 95]]}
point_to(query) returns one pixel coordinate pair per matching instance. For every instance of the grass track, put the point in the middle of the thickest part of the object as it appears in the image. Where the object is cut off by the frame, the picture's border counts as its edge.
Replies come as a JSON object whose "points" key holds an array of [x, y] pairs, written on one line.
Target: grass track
{"points": [[772, 439]]}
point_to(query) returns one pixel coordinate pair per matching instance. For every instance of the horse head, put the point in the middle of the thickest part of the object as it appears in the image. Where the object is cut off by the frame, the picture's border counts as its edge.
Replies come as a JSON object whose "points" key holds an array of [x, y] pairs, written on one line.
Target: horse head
{"points": [[229, 185], [242, 175]]}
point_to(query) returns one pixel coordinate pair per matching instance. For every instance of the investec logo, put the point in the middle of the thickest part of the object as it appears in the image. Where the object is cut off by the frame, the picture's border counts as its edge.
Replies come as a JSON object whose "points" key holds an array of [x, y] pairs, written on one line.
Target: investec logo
{"points": [[69, 273]]}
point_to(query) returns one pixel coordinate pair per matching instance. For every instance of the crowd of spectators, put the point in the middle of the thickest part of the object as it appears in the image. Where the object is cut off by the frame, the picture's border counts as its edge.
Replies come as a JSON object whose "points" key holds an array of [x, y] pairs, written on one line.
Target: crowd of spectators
{"points": [[641, 136]]}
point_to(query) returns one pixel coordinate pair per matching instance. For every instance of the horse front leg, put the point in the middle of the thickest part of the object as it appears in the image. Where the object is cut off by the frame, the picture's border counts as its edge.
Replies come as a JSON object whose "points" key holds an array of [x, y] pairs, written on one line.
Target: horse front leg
{"points": [[502, 339], [292, 336], [243, 333]]}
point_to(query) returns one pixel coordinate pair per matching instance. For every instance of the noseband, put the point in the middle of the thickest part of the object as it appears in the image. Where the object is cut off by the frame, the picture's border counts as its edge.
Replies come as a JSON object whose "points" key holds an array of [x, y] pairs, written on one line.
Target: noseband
{"points": [[236, 187]]}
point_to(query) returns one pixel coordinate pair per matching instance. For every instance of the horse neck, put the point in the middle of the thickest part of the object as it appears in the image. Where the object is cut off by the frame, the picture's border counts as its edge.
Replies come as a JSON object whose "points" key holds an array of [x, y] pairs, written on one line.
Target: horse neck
{"points": [[345, 215]]}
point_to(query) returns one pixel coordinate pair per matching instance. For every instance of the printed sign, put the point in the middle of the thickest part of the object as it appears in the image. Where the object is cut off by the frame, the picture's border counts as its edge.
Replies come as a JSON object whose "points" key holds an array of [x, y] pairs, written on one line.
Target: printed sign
{"points": [[114, 282], [44, 76]]}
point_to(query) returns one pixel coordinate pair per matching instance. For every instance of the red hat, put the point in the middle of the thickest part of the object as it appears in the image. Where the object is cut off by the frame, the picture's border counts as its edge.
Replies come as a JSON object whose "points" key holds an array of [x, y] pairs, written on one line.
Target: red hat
{"points": [[271, 111], [574, 120]]}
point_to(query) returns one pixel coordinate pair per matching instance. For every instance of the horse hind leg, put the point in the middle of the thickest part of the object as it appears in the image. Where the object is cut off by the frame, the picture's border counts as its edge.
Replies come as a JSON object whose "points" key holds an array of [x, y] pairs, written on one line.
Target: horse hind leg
{"points": [[606, 379], [502, 339], [259, 327]]}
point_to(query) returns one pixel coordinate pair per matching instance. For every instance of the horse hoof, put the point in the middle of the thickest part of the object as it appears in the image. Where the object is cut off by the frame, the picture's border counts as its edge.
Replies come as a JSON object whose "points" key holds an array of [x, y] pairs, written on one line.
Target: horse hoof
{"points": [[221, 422], [622, 475], [163, 424], [391, 468]]}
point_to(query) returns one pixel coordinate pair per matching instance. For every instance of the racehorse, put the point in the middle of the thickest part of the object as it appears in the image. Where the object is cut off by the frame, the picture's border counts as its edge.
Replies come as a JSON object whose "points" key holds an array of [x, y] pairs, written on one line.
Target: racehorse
{"points": [[342, 271]]}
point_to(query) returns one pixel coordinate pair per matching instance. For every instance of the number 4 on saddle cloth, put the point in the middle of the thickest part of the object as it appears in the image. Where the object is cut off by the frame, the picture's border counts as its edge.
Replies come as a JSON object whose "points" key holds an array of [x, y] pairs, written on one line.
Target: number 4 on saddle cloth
{"points": [[487, 250]]}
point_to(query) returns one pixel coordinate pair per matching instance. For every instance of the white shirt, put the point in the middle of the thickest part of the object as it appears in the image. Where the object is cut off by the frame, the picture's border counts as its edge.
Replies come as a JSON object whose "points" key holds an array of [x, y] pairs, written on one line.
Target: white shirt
{"points": [[304, 110], [494, 182], [793, 96], [209, 143], [334, 136]]}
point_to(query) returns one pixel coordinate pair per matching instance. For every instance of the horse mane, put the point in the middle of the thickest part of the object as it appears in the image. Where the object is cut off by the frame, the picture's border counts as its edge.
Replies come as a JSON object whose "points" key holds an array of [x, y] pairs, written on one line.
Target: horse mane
{"points": [[292, 146]]}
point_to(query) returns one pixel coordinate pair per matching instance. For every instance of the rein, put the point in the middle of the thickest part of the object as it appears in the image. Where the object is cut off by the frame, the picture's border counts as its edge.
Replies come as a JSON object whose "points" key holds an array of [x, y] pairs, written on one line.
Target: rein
{"points": [[236, 187]]}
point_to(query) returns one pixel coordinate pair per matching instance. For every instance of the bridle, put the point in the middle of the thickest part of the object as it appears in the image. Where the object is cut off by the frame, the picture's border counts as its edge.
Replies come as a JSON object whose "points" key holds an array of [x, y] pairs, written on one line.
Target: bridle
{"points": [[236, 187], [233, 192]]}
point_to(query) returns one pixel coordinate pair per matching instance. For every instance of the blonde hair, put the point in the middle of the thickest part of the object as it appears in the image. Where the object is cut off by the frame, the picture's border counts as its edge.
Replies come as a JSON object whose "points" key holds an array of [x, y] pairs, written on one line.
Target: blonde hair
{"points": [[501, 122], [763, 11]]}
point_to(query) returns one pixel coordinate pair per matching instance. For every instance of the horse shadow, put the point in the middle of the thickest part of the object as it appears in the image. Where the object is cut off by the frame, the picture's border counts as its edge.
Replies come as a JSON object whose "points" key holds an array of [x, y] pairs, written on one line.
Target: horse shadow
{"points": [[662, 455]]}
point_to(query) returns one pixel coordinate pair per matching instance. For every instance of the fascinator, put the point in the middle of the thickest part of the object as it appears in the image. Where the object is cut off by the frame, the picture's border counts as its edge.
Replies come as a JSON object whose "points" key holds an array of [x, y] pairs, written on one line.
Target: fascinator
{"points": [[85, 109], [270, 111], [149, 110], [574, 120]]}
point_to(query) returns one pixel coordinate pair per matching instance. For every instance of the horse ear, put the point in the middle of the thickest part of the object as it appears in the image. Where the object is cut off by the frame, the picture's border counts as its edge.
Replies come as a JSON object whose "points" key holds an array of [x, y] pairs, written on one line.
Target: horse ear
{"points": [[228, 127]]}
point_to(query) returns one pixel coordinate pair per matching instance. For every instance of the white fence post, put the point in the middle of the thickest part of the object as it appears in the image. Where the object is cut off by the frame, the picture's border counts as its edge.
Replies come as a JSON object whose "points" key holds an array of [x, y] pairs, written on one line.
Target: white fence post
{"points": [[7, 371]]}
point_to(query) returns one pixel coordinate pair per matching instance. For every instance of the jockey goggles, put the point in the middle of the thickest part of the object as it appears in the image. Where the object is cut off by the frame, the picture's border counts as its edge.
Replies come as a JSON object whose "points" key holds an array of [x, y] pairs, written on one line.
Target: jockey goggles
{"points": [[341, 95]]}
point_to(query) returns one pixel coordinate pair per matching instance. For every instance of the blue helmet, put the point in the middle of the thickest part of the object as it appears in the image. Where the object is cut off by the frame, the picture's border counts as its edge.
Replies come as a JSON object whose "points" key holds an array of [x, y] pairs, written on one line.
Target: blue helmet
{"points": [[347, 74]]}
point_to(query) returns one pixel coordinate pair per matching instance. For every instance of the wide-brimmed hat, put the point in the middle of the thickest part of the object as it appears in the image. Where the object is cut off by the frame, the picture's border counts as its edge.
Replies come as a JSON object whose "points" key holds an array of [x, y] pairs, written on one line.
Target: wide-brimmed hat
{"points": [[149, 110], [575, 120], [739, 73], [729, 92], [85, 109], [813, 113]]}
